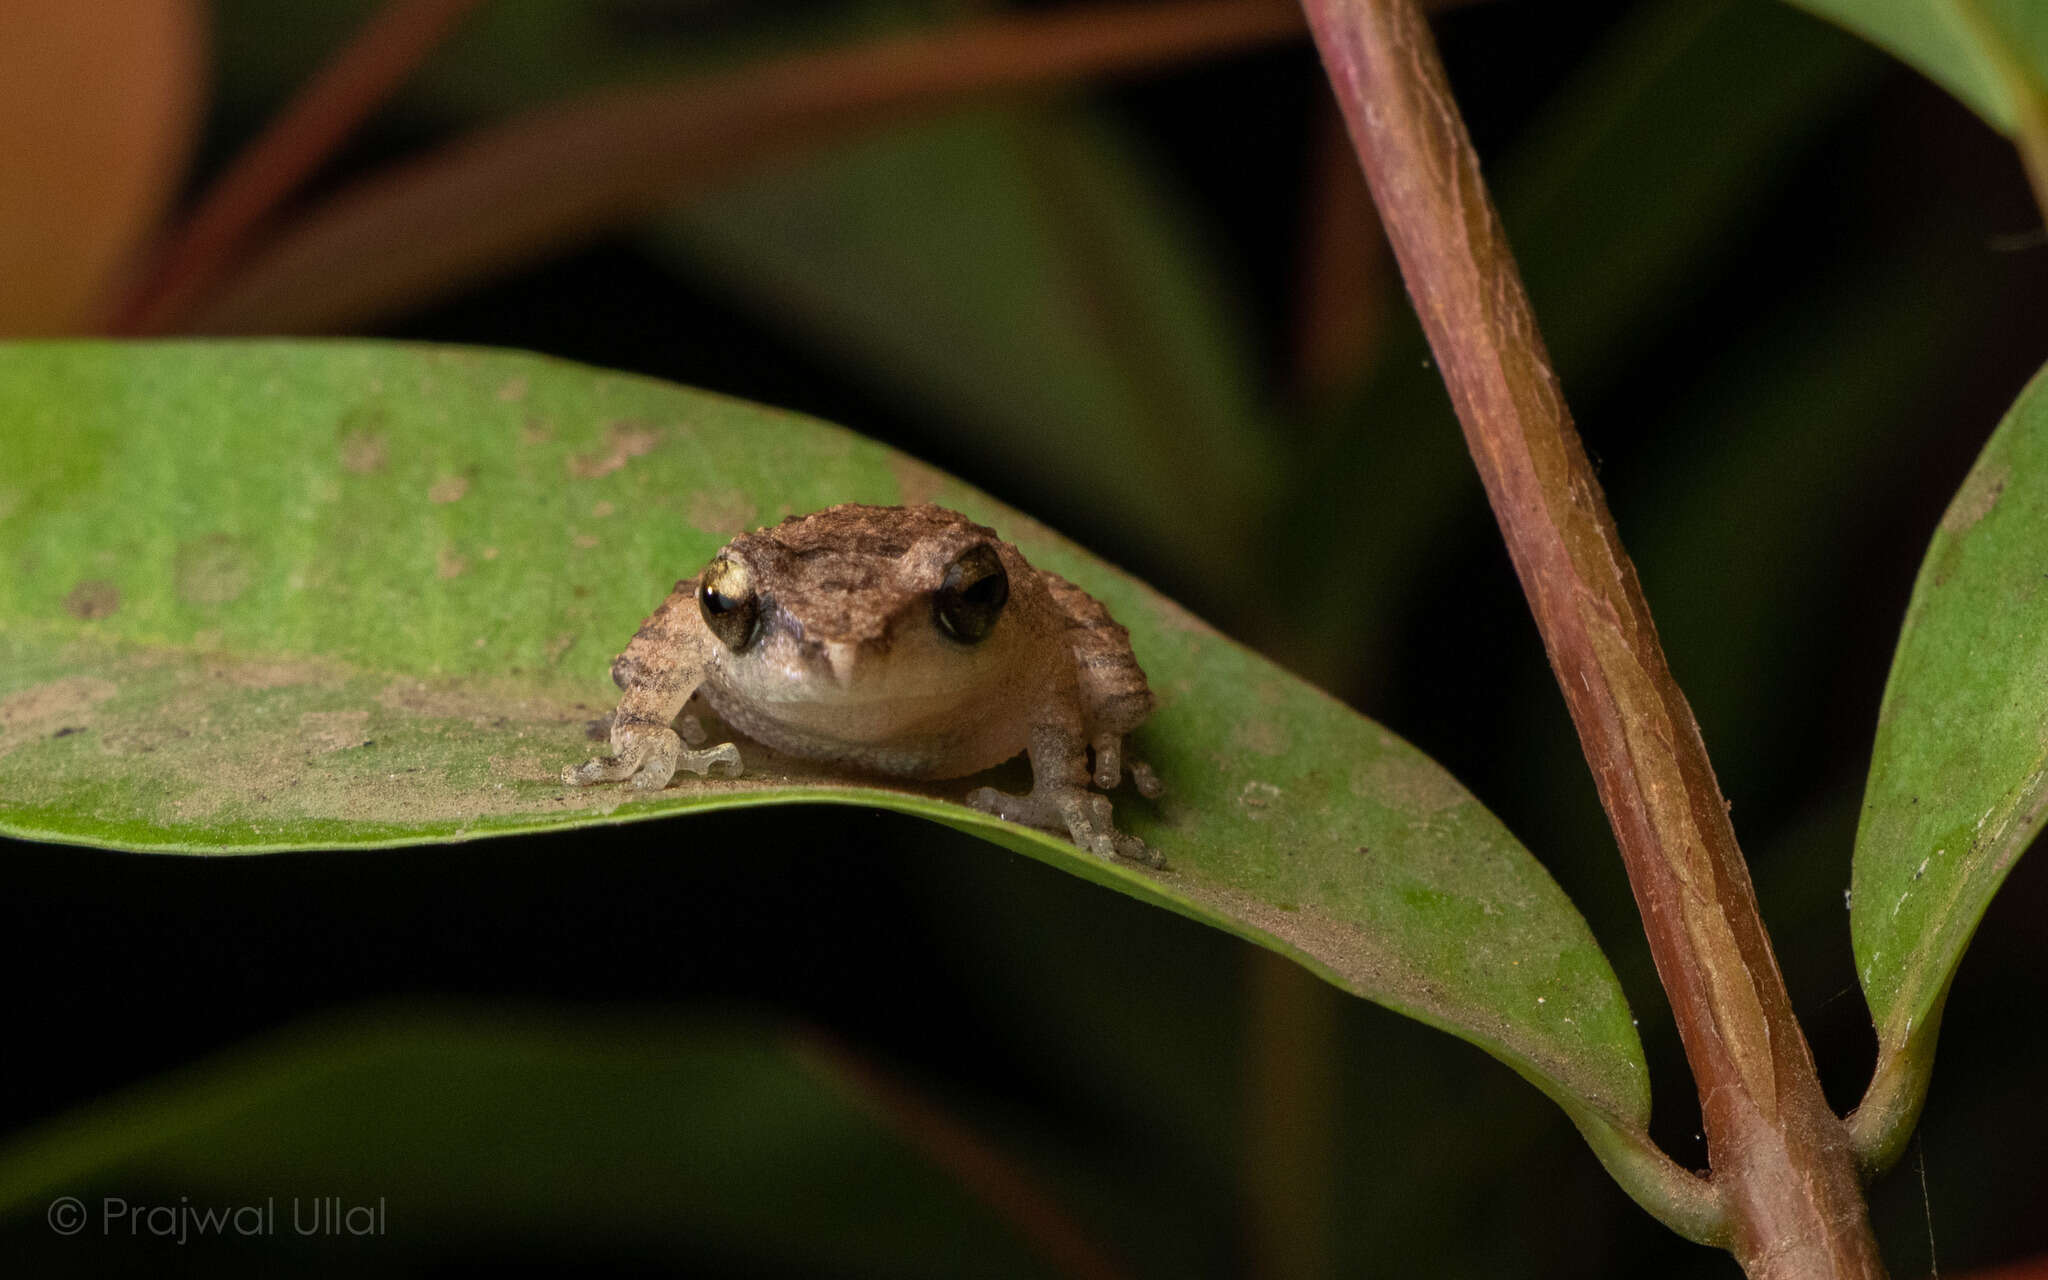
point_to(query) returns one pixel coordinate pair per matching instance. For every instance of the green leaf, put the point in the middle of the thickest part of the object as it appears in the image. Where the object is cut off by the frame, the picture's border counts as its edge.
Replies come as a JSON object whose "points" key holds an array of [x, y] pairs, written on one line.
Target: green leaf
{"points": [[1022, 273], [1959, 776], [1992, 54], [614, 1136], [311, 595]]}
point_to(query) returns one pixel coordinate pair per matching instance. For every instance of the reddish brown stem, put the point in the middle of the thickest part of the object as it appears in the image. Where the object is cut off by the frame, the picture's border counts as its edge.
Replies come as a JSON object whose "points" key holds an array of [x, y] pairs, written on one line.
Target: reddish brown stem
{"points": [[327, 110], [1781, 1159]]}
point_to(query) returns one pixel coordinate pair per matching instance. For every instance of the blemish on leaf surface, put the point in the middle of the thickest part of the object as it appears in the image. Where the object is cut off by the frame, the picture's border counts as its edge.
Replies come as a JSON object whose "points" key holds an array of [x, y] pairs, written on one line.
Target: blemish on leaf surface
{"points": [[211, 570], [92, 600], [721, 511]]}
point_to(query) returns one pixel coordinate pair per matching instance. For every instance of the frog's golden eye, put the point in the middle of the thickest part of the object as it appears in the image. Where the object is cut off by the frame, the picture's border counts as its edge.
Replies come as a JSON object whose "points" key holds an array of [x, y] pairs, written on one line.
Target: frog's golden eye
{"points": [[726, 598], [972, 595]]}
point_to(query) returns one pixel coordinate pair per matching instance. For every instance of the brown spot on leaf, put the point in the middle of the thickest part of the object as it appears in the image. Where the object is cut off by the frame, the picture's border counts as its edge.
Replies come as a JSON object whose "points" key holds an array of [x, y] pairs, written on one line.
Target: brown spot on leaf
{"points": [[534, 431], [211, 570], [915, 481], [1268, 737], [1409, 784], [602, 510], [34, 711], [449, 564], [1175, 618], [585, 540], [1975, 499], [273, 673], [512, 390], [1256, 798], [721, 511], [624, 442], [448, 489], [363, 452], [91, 600], [325, 731]]}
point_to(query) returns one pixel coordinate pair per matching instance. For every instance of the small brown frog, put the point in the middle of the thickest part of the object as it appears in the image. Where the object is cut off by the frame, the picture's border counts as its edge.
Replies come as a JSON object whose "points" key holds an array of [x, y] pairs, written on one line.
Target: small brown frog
{"points": [[906, 641]]}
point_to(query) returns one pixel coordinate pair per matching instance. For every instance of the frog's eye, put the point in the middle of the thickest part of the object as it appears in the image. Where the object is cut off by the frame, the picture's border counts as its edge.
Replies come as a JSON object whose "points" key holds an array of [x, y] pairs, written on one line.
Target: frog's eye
{"points": [[725, 596], [972, 595]]}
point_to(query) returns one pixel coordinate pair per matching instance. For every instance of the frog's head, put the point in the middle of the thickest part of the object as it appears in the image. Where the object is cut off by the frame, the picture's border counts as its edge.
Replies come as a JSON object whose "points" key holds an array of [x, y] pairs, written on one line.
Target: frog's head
{"points": [[899, 611]]}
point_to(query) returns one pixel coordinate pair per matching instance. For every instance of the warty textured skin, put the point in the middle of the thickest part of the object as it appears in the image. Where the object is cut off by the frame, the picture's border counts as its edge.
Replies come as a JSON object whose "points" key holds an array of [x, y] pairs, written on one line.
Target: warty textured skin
{"points": [[851, 651]]}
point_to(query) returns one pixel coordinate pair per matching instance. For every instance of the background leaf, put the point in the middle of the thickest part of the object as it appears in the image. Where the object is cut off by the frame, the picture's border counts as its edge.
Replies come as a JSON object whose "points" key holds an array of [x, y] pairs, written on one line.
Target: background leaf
{"points": [[1990, 53], [613, 1139], [311, 595], [1959, 777], [1021, 271]]}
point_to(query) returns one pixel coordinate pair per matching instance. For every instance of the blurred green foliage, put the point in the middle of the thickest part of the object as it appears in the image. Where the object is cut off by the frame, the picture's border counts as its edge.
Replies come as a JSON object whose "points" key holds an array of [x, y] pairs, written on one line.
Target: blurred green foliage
{"points": [[1789, 290]]}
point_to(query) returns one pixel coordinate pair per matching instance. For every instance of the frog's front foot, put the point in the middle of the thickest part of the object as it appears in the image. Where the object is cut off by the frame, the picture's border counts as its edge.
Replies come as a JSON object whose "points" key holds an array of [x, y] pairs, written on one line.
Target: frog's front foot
{"points": [[1082, 814], [1111, 762], [646, 757]]}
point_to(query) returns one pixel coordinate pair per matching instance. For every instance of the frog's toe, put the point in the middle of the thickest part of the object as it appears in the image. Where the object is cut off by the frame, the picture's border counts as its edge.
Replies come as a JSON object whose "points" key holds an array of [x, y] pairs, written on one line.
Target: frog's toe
{"points": [[1007, 806], [702, 762], [1147, 782], [650, 779], [1132, 849], [1109, 769], [596, 770]]}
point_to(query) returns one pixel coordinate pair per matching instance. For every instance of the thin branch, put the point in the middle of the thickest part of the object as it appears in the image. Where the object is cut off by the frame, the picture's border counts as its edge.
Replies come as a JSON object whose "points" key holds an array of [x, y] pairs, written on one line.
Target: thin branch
{"points": [[1782, 1161], [1884, 1120], [358, 80], [980, 1167], [516, 191]]}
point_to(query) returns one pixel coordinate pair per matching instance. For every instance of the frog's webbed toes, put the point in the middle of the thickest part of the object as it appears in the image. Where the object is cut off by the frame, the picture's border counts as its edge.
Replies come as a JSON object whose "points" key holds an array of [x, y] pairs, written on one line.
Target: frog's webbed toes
{"points": [[596, 770], [1147, 782], [1109, 769], [1085, 816], [1004, 805], [648, 757], [1111, 764], [701, 762], [1132, 849]]}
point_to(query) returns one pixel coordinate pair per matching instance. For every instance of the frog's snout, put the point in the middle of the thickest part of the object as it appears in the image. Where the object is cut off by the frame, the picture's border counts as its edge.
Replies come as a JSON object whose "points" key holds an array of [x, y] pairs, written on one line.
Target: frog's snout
{"points": [[842, 657]]}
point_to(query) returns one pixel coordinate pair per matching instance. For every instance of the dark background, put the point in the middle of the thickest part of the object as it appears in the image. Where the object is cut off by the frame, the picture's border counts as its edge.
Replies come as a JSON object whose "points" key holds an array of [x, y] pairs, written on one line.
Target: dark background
{"points": [[1778, 435]]}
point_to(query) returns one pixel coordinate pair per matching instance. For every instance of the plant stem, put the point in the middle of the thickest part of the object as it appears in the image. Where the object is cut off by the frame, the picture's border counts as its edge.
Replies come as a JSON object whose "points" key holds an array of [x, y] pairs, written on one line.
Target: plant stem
{"points": [[1883, 1122], [1782, 1162]]}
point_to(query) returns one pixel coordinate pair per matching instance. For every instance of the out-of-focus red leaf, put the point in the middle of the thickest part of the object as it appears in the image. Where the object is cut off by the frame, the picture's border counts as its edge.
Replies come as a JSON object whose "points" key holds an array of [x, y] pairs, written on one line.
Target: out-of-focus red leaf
{"points": [[99, 102], [513, 192], [390, 46]]}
